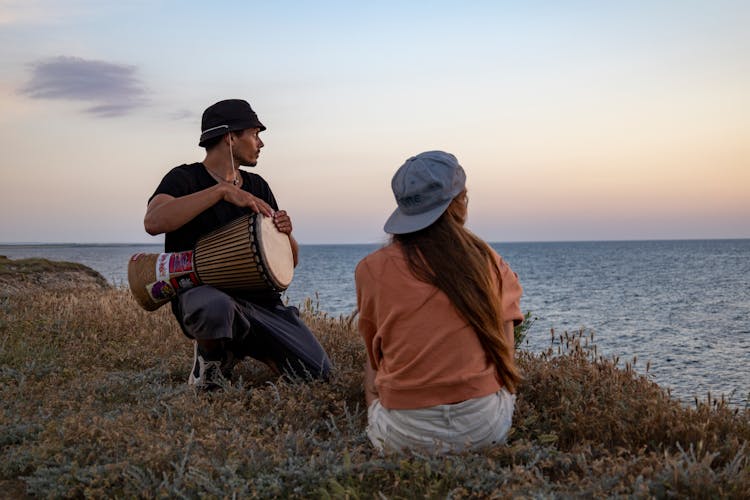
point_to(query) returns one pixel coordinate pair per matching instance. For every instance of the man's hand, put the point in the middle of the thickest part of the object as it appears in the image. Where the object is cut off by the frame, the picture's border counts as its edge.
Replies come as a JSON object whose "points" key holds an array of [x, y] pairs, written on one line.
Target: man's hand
{"points": [[282, 222], [237, 196]]}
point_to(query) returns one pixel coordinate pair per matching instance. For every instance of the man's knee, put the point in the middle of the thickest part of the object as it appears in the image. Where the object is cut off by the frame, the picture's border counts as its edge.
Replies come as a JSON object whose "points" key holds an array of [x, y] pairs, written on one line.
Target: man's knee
{"points": [[209, 310]]}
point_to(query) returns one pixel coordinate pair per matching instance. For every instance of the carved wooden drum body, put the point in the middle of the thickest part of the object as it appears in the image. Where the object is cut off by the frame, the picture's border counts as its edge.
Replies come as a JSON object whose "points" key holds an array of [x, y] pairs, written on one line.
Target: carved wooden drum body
{"points": [[247, 254]]}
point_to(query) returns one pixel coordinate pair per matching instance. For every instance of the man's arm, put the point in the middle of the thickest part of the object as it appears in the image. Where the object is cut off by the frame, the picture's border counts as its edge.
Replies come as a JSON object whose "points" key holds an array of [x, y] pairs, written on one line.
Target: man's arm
{"points": [[166, 213], [295, 249]]}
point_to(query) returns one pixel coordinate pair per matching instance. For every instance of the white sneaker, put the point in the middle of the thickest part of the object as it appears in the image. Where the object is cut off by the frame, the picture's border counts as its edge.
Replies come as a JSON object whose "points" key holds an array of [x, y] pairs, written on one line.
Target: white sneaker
{"points": [[206, 374]]}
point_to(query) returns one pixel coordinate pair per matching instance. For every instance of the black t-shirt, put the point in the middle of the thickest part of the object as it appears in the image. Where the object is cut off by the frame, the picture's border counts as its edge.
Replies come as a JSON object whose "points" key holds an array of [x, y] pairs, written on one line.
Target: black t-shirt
{"points": [[188, 179]]}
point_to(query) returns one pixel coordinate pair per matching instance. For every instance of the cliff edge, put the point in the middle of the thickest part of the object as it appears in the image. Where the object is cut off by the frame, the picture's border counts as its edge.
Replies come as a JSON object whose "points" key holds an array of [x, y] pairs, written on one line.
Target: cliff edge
{"points": [[34, 274]]}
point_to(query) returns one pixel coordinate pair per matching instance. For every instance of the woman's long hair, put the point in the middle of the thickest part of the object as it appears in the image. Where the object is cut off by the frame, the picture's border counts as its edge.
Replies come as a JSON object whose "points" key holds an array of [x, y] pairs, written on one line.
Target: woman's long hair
{"points": [[448, 256]]}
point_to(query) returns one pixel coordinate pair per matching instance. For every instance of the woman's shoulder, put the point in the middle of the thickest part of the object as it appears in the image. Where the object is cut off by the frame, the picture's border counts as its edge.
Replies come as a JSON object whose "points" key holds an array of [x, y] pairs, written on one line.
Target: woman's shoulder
{"points": [[385, 252], [380, 256]]}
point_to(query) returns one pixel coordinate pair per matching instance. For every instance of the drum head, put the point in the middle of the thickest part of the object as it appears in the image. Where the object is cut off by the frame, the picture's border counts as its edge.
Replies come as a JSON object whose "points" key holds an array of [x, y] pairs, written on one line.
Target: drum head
{"points": [[276, 252]]}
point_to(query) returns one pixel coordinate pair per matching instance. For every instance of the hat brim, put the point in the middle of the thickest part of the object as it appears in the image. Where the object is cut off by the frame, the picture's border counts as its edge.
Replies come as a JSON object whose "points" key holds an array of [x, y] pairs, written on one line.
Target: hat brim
{"points": [[401, 223], [231, 128]]}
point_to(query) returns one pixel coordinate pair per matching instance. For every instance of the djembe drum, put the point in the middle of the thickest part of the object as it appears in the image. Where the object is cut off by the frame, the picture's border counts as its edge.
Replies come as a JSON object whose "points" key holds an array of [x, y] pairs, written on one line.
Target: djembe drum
{"points": [[247, 254]]}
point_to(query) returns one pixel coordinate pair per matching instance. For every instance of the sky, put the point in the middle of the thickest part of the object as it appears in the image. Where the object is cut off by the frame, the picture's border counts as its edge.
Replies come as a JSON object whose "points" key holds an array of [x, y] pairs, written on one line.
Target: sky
{"points": [[574, 120]]}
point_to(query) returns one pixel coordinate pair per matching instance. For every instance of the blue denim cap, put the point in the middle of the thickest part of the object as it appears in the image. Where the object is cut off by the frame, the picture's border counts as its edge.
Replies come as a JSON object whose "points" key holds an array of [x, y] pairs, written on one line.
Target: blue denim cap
{"points": [[424, 186]]}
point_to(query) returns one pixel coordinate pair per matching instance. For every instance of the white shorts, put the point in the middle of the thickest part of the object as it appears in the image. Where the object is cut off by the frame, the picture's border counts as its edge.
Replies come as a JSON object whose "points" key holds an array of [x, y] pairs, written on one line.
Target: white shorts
{"points": [[469, 425]]}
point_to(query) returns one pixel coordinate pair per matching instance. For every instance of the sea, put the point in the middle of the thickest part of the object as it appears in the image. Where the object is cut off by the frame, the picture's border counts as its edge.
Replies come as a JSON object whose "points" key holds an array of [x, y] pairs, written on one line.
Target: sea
{"points": [[679, 308]]}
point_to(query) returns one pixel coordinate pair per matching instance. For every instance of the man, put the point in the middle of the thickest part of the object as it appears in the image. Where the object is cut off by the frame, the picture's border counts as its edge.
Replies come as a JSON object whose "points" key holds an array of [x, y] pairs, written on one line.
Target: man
{"points": [[193, 200]]}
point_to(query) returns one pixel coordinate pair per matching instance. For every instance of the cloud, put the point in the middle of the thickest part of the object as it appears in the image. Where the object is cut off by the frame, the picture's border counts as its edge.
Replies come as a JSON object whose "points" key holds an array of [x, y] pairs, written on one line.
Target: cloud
{"points": [[113, 89]]}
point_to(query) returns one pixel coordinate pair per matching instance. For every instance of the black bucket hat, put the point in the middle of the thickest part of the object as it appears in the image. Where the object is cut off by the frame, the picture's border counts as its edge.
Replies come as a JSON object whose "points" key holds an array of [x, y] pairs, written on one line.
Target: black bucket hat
{"points": [[227, 116]]}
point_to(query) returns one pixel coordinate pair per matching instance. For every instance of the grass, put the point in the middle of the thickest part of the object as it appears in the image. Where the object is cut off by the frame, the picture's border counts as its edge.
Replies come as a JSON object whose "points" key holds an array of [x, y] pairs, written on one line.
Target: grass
{"points": [[95, 404]]}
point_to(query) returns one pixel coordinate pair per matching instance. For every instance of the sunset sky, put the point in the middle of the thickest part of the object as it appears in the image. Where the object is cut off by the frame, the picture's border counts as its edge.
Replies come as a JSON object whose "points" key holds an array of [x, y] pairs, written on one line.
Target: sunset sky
{"points": [[579, 120]]}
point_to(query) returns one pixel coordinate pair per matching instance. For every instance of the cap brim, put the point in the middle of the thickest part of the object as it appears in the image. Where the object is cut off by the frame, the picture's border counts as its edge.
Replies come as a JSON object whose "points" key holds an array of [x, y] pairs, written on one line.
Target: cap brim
{"points": [[401, 223], [237, 126]]}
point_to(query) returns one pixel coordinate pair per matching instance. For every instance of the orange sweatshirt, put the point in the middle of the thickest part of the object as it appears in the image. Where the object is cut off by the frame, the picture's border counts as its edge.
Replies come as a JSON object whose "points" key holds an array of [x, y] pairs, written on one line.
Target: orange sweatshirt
{"points": [[425, 354]]}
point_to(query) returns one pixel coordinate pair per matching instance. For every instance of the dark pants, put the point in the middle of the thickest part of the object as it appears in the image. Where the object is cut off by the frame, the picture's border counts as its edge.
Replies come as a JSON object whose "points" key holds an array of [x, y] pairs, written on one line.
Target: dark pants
{"points": [[265, 332]]}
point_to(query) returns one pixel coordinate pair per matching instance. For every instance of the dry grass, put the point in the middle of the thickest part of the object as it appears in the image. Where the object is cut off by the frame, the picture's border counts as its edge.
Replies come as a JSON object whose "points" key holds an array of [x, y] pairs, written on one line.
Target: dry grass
{"points": [[95, 404]]}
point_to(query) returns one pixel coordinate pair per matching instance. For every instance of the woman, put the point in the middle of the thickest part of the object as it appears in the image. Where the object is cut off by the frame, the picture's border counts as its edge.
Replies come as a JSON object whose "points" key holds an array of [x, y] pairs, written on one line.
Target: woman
{"points": [[436, 311]]}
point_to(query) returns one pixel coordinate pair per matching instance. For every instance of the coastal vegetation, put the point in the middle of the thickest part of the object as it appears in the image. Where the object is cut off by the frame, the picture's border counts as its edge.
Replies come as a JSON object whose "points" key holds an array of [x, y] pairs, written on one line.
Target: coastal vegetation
{"points": [[95, 404]]}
